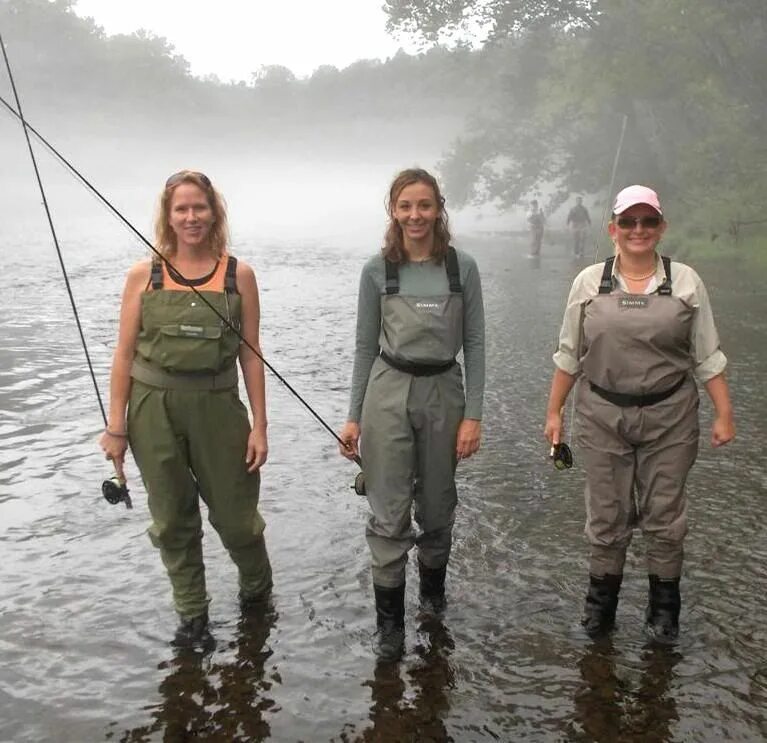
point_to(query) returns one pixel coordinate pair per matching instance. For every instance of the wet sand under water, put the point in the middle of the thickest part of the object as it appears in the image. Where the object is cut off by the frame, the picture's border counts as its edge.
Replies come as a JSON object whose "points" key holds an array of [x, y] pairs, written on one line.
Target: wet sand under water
{"points": [[85, 609]]}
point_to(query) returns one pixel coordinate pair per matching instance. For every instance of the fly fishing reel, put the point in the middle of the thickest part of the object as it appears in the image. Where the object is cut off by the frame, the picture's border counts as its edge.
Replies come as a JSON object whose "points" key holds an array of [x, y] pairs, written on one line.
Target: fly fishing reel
{"points": [[359, 484], [359, 481], [116, 491], [562, 456]]}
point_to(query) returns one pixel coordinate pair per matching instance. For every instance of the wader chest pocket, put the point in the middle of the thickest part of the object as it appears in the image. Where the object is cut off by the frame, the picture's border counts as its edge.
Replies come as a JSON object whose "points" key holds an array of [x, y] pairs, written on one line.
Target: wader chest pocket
{"points": [[190, 348]]}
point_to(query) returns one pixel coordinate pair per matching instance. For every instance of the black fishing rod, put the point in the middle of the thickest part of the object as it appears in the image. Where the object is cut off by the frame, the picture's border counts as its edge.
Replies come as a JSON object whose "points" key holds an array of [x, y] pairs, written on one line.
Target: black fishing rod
{"points": [[18, 113], [114, 490]]}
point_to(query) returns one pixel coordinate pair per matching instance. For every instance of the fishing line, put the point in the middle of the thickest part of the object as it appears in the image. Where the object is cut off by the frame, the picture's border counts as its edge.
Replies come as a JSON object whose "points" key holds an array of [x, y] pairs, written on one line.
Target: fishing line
{"points": [[29, 128], [567, 453]]}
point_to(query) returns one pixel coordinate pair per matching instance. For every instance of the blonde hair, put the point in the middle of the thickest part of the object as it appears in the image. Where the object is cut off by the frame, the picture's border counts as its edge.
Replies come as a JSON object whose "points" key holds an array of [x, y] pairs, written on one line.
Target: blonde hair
{"points": [[393, 248], [165, 237]]}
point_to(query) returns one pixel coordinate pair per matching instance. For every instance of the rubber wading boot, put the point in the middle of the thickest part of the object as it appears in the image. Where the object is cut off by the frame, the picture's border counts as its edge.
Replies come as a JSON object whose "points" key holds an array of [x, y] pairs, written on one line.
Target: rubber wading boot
{"points": [[193, 633], [432, 592], [254, 601], [390, 619], [663, 607], [601, 603]]}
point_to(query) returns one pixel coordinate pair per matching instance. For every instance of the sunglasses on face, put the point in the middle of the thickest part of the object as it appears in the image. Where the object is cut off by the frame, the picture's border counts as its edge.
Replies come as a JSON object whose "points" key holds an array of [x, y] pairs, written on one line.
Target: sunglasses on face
{"points": [[629, 223], [177, 178]]}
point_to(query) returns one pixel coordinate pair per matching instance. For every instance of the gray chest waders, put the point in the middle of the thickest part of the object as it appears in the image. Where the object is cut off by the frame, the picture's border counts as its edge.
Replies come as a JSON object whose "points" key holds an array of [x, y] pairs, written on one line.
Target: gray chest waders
{"points": [[188, 432], [413, 405], [637, 423]]}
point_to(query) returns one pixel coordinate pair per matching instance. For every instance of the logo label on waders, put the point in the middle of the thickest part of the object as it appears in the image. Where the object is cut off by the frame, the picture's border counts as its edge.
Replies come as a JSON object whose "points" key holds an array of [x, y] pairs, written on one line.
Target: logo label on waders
{"points": [[633, 303], [194, 331], [431, 308]]}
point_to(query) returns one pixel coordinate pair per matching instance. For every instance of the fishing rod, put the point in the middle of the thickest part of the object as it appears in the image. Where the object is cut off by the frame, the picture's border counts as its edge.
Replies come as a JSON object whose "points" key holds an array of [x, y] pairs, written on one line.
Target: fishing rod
{"points": [[561, 453], [115, 490], [18, 113]]}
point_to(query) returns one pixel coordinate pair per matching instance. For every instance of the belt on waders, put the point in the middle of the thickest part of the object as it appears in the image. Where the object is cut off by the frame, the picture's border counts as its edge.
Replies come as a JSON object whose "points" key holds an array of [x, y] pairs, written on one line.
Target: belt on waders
{"points": [[417, 370], [155, 376], [639, 401]]}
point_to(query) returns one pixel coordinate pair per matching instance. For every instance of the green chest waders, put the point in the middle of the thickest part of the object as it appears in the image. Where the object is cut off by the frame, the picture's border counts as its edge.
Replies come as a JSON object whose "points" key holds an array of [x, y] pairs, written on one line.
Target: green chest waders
{"points": [[188, 432]]}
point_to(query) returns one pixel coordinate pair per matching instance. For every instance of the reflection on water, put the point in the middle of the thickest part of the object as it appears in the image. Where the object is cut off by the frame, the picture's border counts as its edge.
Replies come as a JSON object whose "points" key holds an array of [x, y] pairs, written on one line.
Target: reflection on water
{"points": [[85, 606], [607, 706], [417, 715], [203, 697]]}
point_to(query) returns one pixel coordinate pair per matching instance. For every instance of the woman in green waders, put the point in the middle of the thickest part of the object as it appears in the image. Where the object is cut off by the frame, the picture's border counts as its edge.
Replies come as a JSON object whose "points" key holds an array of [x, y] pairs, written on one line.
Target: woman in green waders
{"points": [[420, 302], [174, 398]]}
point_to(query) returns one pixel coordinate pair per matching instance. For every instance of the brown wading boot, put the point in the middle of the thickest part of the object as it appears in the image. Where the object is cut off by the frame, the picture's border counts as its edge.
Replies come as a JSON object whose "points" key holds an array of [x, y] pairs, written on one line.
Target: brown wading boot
{"points": [[390, 619], [193, 633], [601, 603], [663, 607], [432, 591]]}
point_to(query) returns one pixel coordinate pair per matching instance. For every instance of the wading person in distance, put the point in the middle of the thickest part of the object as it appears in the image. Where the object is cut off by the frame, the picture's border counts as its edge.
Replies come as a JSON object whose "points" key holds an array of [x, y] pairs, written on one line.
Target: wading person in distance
{"points": [[174, 397], [636, 330], [579, 222], [536, 221], [420, 302]]}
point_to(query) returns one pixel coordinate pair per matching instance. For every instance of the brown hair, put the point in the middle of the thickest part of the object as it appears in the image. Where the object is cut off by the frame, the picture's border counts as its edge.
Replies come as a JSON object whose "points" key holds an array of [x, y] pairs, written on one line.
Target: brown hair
{"points": [[165, 237], [393, 248]]}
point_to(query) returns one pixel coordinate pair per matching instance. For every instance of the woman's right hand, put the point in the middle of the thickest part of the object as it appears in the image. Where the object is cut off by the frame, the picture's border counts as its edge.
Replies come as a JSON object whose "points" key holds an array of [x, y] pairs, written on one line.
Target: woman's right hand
{"points": [[114, 447], [350, 435], [553, 429]]}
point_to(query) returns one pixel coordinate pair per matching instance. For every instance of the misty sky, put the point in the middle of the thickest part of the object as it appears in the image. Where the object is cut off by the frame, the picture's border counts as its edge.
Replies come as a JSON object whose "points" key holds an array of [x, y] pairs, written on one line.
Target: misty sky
{"points": [[232, 38]]}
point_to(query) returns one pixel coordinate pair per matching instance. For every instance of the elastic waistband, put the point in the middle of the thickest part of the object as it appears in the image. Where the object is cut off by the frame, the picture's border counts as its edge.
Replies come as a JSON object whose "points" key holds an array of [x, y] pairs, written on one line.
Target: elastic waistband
{"points": [[154, 376], [639, 401], [417, 370]]}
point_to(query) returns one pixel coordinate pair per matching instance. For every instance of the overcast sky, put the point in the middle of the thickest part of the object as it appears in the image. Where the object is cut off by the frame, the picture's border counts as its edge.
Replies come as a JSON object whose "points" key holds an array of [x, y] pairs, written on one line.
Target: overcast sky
{"points": [[233, 38]]}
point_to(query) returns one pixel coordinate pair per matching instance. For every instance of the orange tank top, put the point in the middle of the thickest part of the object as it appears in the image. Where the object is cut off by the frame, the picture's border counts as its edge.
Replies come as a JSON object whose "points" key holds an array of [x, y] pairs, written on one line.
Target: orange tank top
{"points": [[215, 282]]}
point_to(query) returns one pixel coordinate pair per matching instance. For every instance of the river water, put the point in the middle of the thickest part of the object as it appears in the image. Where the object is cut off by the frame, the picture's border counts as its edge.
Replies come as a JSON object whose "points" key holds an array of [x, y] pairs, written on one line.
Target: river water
{"points": [[85, 609]]}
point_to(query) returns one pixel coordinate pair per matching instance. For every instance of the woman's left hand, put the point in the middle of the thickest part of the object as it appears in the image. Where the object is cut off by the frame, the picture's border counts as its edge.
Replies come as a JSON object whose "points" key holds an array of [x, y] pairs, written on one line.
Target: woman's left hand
{"points": [[257, 450], [723, 430], [469, 435]]}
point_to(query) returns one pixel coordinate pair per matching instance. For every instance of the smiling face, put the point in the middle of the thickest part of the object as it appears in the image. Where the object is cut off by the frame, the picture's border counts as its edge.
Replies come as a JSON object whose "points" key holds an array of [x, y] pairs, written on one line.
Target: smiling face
{"points": [[638, 239], [416, 211], [190, 215]]}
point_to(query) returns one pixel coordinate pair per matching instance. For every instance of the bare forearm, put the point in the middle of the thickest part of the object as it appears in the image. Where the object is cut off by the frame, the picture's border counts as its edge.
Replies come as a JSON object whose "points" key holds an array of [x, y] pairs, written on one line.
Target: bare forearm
{"points": [[255, 386], [561, 384], [119, 391], [719, 392]]}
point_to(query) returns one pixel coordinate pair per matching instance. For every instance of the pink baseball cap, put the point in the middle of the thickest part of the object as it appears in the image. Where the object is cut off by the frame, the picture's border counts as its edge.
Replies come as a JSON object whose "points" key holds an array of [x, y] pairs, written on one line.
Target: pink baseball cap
{"points": [[633, 195]]}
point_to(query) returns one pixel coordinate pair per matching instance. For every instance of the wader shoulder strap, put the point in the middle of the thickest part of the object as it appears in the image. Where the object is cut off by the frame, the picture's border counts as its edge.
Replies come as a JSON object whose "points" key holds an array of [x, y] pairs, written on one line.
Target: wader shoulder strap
{"points": [[156, 276], [606, 284], [665, 288], [230, 277], [453, 272], [451, 267], [392, 277]]}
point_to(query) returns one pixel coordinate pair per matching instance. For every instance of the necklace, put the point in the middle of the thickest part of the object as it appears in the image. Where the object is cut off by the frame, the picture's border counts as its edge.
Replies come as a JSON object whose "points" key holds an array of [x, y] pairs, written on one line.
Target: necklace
{"points": [[639, 278]]}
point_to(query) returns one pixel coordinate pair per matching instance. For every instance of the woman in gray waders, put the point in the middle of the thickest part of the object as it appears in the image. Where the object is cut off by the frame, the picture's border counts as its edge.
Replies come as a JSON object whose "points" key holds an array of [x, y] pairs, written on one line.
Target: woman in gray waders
{"points": [[175, 374], [637, 330], [420, 302]]}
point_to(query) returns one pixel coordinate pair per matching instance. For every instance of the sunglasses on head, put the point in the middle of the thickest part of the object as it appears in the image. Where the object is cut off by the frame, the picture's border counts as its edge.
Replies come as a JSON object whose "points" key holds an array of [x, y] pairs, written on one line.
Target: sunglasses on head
{"points": [[179, 177], [629, 223]]}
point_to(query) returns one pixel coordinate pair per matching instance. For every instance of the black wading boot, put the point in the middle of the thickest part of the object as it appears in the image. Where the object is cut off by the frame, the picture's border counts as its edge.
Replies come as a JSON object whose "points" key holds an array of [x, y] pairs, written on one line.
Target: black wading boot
{"points": [[390, 619], [663, 609], [601, 603], [432, 591], [193, 633]]}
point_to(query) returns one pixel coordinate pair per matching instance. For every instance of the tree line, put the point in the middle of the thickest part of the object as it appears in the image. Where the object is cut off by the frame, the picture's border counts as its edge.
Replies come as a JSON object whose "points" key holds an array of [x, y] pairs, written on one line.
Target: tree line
{"points": [[687, 76]]}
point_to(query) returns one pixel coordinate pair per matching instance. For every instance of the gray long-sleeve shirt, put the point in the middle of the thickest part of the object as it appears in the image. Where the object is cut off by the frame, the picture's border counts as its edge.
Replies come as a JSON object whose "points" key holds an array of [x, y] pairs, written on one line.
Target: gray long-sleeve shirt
{"points": [[420, 279]]}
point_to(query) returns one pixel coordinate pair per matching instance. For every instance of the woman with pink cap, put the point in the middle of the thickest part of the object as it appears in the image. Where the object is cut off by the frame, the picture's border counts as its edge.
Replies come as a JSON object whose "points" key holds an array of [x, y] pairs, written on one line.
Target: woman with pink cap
{"points": [[637, 331]]}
